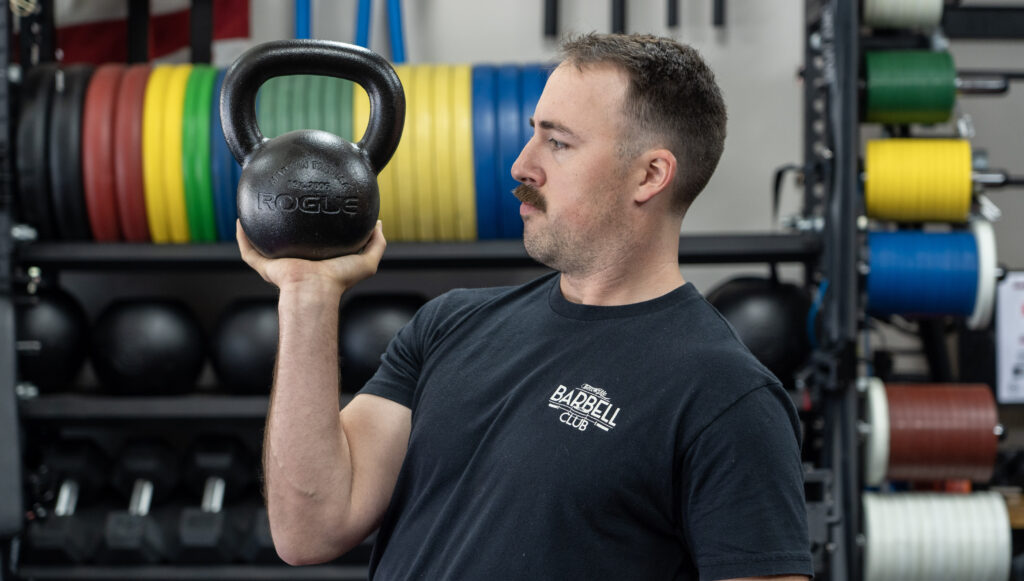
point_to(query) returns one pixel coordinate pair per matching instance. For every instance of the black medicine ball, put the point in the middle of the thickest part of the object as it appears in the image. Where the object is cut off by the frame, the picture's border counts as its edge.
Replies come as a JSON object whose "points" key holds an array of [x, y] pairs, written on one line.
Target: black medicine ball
{"points": [[245, 346], [52, 333], [770, 318], [148, 347], [366, 325]]}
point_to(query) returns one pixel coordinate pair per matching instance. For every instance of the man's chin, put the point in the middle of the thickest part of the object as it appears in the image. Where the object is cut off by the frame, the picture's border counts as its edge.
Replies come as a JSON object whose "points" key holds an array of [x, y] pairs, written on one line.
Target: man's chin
{"points": [[536, 251]]}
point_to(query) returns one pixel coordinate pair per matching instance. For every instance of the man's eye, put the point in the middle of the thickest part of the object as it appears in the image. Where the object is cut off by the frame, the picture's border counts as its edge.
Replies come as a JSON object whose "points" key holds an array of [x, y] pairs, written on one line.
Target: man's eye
{"points": [[555, 144]]}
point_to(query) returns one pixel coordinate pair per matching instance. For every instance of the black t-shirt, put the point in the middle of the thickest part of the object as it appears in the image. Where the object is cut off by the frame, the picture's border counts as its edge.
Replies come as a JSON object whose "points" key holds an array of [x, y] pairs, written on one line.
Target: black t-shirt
{"points": [[552, 440]]}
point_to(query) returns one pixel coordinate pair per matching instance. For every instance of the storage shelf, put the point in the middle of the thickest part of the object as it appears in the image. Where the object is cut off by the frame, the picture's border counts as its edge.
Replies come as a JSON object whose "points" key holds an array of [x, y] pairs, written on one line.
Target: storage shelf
{"points": [[191, 573], [693, 249], [185, 407]]}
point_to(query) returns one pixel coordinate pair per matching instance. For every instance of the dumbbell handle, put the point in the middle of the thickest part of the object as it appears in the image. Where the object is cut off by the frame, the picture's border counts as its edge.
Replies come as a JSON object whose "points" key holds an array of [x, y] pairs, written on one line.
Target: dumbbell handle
{"points": [[67, 498], [142, 497], [213, 494]]}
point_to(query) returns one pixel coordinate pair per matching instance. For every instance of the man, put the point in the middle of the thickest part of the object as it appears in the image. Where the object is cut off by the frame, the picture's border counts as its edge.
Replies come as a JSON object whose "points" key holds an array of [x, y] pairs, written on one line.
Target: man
{"points": [[601, 422]]}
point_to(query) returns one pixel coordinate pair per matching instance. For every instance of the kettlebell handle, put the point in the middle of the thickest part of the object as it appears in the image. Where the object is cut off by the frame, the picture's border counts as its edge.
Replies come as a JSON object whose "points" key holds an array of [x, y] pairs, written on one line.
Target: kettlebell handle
{"points": [[313, 57]]}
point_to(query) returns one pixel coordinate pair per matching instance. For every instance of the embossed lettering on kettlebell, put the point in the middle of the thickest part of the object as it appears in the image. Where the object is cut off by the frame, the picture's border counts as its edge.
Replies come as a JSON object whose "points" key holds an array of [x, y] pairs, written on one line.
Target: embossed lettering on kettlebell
{"points": [[309, 204]]}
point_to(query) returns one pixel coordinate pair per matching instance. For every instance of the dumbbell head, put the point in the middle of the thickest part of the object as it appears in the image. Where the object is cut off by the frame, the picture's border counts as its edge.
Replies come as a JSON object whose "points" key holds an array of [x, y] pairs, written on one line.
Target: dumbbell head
{"points": [[220, 457], [215, 466], [78, 468], [146, 470], [149, 461], [79, 461]]}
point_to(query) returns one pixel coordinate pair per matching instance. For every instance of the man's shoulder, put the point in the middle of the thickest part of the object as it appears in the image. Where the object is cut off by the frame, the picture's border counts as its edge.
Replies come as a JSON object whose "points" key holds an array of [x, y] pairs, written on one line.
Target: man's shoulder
{"points": [[462, 299]]}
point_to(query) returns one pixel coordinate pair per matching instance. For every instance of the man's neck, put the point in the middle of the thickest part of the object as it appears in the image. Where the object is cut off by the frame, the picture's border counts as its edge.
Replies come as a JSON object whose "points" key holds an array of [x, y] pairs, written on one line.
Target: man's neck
{"points": [[622, 284]]}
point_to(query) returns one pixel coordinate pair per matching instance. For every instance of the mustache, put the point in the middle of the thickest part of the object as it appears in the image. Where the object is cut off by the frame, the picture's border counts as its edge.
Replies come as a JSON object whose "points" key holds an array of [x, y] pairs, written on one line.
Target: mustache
{"points": [[529, 195]]}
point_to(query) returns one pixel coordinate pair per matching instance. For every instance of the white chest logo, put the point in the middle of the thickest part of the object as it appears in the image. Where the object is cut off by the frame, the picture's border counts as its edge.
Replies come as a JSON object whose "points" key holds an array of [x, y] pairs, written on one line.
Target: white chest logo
{"points": [[584, 406]]}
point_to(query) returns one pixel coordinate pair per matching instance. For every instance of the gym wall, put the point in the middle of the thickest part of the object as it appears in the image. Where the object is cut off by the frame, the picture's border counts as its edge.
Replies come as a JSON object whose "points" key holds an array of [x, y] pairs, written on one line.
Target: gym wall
{"points": [[756, 57]]}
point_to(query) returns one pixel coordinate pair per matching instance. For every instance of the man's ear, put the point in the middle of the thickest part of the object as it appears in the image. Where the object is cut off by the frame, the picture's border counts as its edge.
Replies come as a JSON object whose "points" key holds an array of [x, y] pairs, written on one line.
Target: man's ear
{"points": [[658, 169]]}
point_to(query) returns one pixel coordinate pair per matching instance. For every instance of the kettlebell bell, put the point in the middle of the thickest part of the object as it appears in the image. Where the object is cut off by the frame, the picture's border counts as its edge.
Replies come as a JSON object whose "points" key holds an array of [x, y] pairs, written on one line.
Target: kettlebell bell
{"points": [[310, 194]]}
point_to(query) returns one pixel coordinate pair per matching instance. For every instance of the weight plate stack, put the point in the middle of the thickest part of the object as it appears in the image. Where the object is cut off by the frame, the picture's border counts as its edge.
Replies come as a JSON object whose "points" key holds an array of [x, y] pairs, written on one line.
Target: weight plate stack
{"points": [[386, 179], [314, 88], [266, 111], [463, 168], [444, 174], [153, 152], [31, 140], [221, 162], [128, 159], [510, 139], [174, 174], [98, 153], [196, 157], [422, 125], [343, 105], [406, 199], [65, 152], [282, 105], [485, 149]]}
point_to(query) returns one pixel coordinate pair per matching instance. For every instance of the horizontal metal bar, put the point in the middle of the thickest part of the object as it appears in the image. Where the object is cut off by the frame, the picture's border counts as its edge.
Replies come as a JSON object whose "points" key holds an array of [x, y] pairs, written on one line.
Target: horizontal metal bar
{"points": [[693, 249]]}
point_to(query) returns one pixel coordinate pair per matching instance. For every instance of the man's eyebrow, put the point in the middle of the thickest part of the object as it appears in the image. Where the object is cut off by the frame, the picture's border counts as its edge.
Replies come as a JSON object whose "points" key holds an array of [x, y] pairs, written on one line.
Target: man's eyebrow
{"points": [[554, 126]]}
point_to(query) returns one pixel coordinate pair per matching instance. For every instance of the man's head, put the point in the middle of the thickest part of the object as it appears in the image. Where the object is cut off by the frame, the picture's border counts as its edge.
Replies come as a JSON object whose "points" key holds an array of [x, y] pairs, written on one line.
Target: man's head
{"points": [[613, 163], [672, 101]]}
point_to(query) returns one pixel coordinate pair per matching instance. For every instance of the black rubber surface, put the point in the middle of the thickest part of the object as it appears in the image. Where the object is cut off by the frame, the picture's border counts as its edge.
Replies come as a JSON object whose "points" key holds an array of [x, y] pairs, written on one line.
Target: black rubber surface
{"points": [[33, 129], [65, 149]]}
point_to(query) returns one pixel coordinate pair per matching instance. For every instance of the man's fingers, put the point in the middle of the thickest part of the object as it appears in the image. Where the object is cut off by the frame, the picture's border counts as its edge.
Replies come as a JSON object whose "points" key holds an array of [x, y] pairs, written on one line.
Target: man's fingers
{"points": [[374, 249], [249, 254]]}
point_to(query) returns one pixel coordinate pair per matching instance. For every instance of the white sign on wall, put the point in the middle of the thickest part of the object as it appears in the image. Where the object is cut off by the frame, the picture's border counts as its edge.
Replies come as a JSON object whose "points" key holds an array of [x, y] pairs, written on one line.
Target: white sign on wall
{"points": [[1010, 339]]}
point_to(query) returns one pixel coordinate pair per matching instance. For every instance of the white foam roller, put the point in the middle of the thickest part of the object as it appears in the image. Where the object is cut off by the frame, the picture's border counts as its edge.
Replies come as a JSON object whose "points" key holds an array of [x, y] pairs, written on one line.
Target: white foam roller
{"points": [[1002, 541], [936, 537], [984, 302], [921, 14], [876, 452]]}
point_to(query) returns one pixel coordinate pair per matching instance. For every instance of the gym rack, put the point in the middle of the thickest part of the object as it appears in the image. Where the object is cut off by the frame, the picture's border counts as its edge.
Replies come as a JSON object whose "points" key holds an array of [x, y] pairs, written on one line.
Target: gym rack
{"points": [[33, 415]]}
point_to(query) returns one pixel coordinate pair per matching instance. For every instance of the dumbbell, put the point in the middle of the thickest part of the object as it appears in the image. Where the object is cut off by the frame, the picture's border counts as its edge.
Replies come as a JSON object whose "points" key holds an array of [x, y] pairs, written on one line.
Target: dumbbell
{"points": [[64, 537], [215, 467], [146, 471]]}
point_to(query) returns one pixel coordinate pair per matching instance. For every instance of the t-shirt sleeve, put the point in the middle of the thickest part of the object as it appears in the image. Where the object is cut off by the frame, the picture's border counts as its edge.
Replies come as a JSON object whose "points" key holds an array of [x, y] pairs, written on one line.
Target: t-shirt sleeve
{"points": [[742, 497], [399, 371]]}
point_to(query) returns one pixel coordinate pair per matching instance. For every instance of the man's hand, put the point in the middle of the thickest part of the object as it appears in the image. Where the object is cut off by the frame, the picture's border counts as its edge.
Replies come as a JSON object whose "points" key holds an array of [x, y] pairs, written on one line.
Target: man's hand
{"points": [[340, 273]]}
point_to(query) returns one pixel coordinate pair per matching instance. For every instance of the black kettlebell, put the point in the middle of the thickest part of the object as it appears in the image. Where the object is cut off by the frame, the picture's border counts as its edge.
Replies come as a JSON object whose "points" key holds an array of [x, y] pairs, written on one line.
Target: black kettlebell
{"points": [[310, 194]]}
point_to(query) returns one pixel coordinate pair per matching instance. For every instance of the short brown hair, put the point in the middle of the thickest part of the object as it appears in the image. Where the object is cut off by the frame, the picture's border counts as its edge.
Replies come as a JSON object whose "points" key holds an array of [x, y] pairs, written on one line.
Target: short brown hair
{"points": [[672, 99]]}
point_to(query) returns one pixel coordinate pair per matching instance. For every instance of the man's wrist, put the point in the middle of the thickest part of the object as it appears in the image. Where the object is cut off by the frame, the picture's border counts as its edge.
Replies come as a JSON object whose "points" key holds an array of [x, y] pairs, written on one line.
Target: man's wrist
{"points": [[311, 292]]}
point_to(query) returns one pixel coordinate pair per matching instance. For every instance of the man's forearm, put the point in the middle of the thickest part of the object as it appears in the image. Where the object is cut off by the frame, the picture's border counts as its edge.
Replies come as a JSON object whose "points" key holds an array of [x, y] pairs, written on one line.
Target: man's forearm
{"points": [[305, 457]]}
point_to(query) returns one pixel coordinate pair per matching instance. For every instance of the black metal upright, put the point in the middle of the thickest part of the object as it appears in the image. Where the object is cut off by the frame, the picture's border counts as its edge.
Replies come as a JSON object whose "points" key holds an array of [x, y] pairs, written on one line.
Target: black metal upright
{"points": [[201, 31], [38, 36], [11, 509], [138, 32], [831, 179]]}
